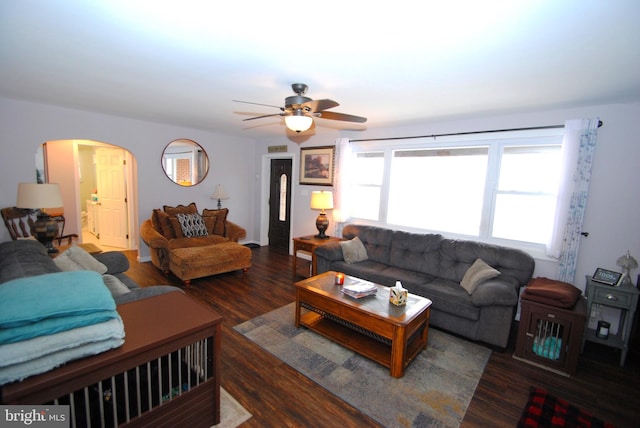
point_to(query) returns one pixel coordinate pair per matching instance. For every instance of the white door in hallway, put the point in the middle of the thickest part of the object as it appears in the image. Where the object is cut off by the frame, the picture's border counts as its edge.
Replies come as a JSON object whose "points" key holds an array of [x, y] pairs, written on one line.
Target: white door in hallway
{"points": [[112, 197]]}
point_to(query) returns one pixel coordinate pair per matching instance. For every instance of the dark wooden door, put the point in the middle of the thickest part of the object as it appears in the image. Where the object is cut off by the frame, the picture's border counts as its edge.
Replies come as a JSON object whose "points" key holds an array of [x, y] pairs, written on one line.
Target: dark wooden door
{"points": [[280, 203]]}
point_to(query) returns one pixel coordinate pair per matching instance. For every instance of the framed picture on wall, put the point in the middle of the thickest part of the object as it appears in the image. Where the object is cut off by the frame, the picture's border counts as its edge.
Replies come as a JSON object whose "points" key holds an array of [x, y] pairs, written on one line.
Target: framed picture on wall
{"points": [[316, 165]]}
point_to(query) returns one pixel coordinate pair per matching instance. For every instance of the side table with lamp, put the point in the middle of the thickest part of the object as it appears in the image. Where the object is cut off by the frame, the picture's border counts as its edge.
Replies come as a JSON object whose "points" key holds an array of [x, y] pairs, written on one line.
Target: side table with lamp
{"points": [[320, 200], [622, 295]]}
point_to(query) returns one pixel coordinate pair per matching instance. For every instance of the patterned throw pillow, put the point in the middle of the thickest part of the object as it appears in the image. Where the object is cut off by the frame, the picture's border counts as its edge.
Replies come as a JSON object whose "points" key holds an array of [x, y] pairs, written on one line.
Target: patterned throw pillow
{"points": [[192, 225]]}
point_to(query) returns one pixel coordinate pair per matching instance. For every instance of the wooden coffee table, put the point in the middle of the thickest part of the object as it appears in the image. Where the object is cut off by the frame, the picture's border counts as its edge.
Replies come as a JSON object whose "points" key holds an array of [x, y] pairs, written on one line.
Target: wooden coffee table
{"points": [[371, 326]]}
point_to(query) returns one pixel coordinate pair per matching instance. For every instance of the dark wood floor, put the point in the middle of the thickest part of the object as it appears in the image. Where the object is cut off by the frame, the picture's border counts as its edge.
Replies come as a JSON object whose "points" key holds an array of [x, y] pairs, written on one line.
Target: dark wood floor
{"points": [[279, 396]]}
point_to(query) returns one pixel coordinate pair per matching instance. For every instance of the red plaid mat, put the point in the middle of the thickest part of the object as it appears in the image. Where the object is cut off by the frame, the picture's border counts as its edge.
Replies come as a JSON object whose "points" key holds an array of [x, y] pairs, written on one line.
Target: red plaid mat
{"points": [[544, 410]]}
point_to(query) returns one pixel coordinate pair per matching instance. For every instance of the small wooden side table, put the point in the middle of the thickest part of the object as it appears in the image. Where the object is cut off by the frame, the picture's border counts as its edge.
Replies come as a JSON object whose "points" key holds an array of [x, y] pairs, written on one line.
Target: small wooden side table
{"points": [[309, 244], [623, 298]]}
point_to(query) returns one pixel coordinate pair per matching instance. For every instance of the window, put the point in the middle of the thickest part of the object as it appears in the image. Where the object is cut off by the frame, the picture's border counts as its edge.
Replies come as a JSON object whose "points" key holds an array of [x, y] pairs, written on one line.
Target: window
{"points": [[526, 193], [367, 174], [438, 189], [492, 187]]}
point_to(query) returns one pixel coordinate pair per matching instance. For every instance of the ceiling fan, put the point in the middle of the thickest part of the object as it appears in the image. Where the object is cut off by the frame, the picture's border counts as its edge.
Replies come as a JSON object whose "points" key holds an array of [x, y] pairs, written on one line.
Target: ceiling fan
{"points": [[298, 110]]}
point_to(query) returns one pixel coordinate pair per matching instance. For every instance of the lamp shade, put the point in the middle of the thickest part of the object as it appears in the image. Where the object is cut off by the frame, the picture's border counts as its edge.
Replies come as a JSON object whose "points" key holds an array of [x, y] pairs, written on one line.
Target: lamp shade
{"points": [[298, 121], [39, 195], [219, 193], [321, 200], [627, 262]]}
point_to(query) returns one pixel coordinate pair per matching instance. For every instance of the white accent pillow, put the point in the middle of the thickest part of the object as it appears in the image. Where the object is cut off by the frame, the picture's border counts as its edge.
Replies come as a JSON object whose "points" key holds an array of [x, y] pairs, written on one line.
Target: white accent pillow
{"points": [[75, 258], [478, 272], [115, 286], [353, 251]]}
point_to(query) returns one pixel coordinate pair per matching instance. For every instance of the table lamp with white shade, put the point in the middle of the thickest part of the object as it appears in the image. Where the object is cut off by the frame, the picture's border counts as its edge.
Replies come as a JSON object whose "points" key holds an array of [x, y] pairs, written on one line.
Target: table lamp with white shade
{"points": [[40, 197], [219, 193], [322, 200]]}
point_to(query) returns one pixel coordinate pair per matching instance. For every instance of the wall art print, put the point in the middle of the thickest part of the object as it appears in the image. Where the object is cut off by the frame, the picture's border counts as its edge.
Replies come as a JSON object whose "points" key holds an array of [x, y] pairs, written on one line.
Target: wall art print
{"points": [[317, 165]]}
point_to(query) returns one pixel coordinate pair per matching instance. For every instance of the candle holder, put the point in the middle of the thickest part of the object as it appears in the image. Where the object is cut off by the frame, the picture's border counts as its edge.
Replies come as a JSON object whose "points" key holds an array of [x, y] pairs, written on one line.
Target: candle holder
{"points": [[339, 280], [603, 330]]}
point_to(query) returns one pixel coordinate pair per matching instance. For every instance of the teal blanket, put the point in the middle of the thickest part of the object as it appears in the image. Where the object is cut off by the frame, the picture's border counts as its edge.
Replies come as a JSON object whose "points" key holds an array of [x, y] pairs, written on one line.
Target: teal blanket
{"points": [[50, 303]]}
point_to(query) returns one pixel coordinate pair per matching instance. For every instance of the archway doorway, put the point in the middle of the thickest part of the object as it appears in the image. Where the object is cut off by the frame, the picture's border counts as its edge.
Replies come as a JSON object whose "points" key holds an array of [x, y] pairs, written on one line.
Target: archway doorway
{"points": [[99, 190]]}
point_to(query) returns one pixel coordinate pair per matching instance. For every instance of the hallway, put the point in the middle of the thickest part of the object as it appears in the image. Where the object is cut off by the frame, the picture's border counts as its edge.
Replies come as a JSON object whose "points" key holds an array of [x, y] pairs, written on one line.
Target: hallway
{"points": [[90, 238]]}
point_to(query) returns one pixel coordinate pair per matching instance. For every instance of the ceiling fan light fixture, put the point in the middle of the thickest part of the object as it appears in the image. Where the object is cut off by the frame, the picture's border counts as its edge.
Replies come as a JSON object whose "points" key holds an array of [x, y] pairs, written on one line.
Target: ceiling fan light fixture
{"points": [[298, 121]]}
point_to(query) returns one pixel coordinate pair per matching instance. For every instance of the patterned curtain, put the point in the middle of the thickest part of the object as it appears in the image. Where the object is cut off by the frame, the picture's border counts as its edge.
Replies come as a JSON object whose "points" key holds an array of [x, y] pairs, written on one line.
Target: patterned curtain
{"points": [[580, 139], [341, 184]]}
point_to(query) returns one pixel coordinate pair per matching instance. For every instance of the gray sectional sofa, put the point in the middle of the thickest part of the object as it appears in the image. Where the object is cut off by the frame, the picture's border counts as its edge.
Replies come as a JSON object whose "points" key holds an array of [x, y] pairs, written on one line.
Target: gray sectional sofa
{"points": [[431, 266], [25, 257]]}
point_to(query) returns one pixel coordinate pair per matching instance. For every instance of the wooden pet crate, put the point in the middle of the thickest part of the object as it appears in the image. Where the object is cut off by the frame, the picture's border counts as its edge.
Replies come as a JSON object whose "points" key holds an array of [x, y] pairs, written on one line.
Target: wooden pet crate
{"points": [[165, 375], [551, 337]]}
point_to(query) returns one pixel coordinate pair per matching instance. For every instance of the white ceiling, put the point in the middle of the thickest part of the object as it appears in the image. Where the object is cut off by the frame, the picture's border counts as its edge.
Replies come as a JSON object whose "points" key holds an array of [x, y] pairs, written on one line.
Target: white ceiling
{"points": [[184, 62]]}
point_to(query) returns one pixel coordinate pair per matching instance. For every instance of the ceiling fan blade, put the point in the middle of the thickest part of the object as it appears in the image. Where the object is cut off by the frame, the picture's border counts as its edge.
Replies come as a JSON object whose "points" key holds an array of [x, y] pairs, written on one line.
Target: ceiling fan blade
{"points": [[341, 116], [263, 116], [258, 104], [319, 105]]}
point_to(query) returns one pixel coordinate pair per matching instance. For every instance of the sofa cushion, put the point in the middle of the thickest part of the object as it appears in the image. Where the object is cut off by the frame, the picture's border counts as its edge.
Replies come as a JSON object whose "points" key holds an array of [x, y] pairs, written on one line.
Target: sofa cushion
{"points": [[76, 258], [192, 225], [478, 272], [220, 225], [376, 240], [551, 292], [115, 261], [180, 209], [115, 286], [176, 230], [416, 252], [197, 241], [24, 258], [353, 250], [447, 296], [210, 223], [161, 221]]}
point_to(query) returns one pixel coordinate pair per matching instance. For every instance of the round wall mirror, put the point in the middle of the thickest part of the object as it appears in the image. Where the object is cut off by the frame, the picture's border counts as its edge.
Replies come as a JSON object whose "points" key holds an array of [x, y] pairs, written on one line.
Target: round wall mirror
{"points": [[185, 162]]}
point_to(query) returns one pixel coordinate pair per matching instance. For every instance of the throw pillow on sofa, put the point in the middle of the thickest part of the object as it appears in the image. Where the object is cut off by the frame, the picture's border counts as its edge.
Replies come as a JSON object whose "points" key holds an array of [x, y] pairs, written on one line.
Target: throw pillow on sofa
{"points": [[76, 258], [353, 251], [180, 209], [161, 221], [478, 272], [115, 286], [220, 224], [192, 225]]}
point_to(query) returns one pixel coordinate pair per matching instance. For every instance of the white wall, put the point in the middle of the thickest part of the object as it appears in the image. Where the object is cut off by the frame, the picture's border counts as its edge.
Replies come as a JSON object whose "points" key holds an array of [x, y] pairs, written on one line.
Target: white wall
{"points": [[24, 126], [613, 210]]}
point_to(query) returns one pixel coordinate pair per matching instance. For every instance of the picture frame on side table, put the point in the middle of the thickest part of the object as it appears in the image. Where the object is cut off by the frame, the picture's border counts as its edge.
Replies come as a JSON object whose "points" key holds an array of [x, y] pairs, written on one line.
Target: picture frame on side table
{"points": [[317, 165], [607, 277]]}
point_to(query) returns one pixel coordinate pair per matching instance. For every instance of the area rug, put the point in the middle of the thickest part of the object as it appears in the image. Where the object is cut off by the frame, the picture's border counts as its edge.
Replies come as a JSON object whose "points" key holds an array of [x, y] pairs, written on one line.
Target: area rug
{"points": [[232, 414], [435, 390], [545, 410]]}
